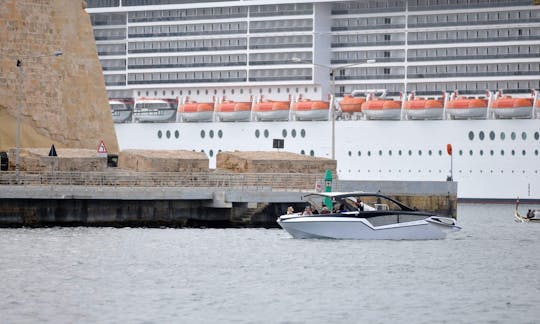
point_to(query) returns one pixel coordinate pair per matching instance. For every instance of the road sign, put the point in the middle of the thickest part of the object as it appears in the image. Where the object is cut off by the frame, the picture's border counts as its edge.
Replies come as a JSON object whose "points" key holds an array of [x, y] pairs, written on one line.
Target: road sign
{"points": [[101, 148]]}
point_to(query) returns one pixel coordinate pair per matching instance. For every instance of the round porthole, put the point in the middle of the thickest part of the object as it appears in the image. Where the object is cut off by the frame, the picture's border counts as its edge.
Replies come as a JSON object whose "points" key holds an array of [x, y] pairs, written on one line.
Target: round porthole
{"points": [[359, 153], [536, 135], [220, 133], [266, 133], [293, 133], [284, 133], [168, 134], [303, 152], [176, 134], [471, 135], [410, 152], [312, 153], [211, 153], [303, 133], [481, 135], [513, 136], [211, 133], [257, 133], [523, 153], [203, 134], [350, 153], [159, 134], [380, 152], [368, 153], [492, 135], [502, 136], [523, 136]]}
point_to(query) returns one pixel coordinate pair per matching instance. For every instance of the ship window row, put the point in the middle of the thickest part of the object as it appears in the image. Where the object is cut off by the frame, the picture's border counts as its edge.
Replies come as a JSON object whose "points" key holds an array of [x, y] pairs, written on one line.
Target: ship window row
{"points": [[363, 23], [107, 19], [113, 65], [459, 53], [115, 79], [474, 18], [192, 45], [160, 2], [279, 58], [206, 91], [187, 14], [479, 35], [187, 77], [111, 49], [187, 61], [437, 71], [110, 34], [188, 29], [453, 4], [281, 10], [281, 25], [349, 57], [502, 135], [281, 41], [356, 40], [435, 153], [102, 3], [360, 7], [294, 133]]}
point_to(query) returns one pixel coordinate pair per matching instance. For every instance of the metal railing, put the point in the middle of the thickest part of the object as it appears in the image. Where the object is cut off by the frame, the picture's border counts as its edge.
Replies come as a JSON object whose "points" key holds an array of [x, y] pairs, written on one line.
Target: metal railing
{"points": [[243, 181]]}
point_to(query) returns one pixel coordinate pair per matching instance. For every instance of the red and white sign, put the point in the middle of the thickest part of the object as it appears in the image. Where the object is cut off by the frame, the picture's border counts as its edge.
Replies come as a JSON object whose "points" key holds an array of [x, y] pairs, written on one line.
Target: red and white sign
{"points": [[101, 148]]}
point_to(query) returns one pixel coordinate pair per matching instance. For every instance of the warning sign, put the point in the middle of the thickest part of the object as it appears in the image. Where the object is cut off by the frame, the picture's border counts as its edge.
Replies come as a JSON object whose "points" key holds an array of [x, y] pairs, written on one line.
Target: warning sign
{"points": [[101, 148]]}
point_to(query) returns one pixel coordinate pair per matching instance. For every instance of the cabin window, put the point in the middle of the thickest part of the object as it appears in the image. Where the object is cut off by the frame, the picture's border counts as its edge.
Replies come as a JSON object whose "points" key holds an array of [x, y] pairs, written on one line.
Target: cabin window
{"points": [[303, 133], [203, 134], [481, 135], [168, 134], [284, 133], [502, 152], [523, 153], [211, 133], [513, 136], [536, 135], [503, 136], [523, 136], [471, 135], [266, 133], [492, 135], [159, 134], [176, 134], [257, 133]]}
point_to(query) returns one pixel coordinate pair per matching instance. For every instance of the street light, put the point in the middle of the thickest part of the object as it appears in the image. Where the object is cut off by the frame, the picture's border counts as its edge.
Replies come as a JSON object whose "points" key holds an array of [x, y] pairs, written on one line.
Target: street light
{"points": [[19, 103], [333, 71]]}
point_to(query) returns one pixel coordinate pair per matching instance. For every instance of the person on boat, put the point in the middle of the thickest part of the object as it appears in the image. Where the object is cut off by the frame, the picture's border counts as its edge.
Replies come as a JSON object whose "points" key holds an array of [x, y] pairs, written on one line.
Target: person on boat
{"points": [[290, 210], [325, 210], [359, 205], [307, 211], [530, 213]]}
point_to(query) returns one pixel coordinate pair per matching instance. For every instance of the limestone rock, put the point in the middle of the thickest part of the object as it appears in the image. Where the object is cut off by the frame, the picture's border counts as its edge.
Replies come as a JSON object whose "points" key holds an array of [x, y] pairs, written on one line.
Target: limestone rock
{"points": [[64, 98], [273, 162], [163, 161], [37, 159]]}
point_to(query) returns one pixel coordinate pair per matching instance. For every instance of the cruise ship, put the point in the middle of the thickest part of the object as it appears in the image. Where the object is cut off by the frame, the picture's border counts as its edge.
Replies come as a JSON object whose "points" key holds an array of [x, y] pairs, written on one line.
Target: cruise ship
{"points": [[387, 88]]}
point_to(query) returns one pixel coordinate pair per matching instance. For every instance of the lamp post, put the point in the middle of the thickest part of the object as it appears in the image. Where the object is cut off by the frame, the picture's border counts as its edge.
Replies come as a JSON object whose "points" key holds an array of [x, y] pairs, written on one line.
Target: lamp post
{"points": [[19, 104], [333, 71]]}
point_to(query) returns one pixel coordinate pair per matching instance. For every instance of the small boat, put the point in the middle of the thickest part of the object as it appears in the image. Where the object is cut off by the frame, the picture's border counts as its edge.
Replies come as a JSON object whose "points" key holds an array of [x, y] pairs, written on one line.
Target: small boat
{"points": [[462, 107], [366, 216], [504, 106], [531, 216], [153, 110], [121, 113], [351, 107], [424, 108], [229, 111], [382, 109], [307, 109], [193, 111], [271, 110]]}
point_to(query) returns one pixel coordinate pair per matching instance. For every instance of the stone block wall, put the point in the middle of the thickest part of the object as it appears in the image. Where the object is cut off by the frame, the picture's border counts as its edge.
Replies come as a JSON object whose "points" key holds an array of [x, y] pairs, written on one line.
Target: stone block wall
{"points": [[75, 160], [163, 161]]}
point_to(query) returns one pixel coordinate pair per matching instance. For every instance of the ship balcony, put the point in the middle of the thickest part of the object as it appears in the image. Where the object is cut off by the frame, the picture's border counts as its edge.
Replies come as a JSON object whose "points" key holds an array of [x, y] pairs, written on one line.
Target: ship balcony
{"points": [[367, 27], [369, 77], [280, 78], [206, 80], [280, 29], [185, 18], [459, 5], [496, 40], [186, 65], [377, 59], [362, 44], [472, 57], [470, 74], [295, 45], [187, 33], [186, 49], [473, 23], [281, 13]]}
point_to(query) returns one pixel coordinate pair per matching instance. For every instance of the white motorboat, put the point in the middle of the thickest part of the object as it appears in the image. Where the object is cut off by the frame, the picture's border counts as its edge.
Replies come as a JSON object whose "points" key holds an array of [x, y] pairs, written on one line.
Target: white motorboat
{"points": [[531, 216], [366, 216]]}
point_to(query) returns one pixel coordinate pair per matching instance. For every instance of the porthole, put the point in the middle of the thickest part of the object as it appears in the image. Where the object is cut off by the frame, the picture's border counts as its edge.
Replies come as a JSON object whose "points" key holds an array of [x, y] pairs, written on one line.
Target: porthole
{"points": [[257, 133], [523, 135], [513, 136], [312, 153], [535, 152], [503, 136], [211, 133], [303, 152], [492, 135], [211, 153], [303, 133], [168, 134], [460, 152], [368, 153], [523, 153], [513, 152], [350, 153], [430, 152], [159, 134], [410, 152], [220, 133], [359, 153], [419, 152], [440, 152], [536, 135], [203, 133], [284, 133], [481, 135], [481, 152], [491, 152], [380, 152], [471, 135], [266, 133], [502, 152], [390, 152], [470, 152], [176, 134], [400, 152], [293, 133]]}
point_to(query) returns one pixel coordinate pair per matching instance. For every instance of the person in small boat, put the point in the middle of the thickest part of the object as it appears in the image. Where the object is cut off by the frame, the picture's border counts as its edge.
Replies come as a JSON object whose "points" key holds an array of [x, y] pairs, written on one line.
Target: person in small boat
{"points": [[530, 213], [307, 211], [290, 210], [359, 205], [325, 210]]}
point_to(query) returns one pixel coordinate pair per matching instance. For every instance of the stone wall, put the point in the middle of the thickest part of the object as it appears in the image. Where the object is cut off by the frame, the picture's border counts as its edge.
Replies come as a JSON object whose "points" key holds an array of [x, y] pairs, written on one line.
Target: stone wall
{"points": [[37, 159], [163, 161], [273, 162], [64, 98]]}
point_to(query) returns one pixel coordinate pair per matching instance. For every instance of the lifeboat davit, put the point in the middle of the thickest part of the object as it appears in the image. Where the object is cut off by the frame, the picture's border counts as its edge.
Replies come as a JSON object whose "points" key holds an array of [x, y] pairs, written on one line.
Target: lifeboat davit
{"points": [[382, 109], [193, 111], [271, 110], [351, 106], [153, 110], [422, 108], [233, 111], [462, 107], [310, 110], [509, 107]]}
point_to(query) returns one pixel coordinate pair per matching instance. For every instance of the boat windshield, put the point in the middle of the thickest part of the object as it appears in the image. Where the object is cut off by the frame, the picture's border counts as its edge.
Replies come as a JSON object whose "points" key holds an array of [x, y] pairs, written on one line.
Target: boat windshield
{"points": [[153, 105], [118, 106]]}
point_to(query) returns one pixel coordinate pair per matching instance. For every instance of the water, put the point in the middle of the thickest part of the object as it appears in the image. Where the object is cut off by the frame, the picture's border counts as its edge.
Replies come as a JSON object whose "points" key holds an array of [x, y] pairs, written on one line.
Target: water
{"points": [[488, 272]]}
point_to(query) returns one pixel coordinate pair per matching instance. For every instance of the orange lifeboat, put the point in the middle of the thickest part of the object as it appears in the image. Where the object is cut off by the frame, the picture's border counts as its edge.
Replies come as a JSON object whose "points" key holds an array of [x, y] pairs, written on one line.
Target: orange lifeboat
{"points": [[271, 110], [351, 105], [233, 111], [310, 110], [192, 111], [422, 108], [463, 107], [509, 107], [382, 109]]}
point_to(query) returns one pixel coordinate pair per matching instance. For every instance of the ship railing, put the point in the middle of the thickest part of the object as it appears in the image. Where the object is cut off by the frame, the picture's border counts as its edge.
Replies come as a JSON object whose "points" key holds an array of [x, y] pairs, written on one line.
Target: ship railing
{"points": [[241, 181]]}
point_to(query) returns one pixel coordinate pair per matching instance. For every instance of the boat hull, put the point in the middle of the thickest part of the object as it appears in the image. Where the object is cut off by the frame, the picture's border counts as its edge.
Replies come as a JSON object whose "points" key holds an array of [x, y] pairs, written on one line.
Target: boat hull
{"points": [[232, 116], [343, 227], [273, 115], [316, 114], [154, 115], [382, 114], [121, 116], [519, 112], [430, 113], [465, 113], [201, 116]]}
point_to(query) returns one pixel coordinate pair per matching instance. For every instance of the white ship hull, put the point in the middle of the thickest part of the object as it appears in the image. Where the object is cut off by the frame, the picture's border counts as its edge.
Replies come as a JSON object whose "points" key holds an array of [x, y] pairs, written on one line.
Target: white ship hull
{"points": [[501, 161]]}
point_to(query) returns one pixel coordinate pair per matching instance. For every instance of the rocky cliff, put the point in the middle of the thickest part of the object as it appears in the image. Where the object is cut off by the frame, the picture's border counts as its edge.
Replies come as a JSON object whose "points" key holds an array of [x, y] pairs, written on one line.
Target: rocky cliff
{"points": [[64, 98]]}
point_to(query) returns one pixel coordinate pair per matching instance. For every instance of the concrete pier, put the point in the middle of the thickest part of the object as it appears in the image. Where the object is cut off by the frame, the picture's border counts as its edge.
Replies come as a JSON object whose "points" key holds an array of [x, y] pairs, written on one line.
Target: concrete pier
{"points": [[173, 199]]}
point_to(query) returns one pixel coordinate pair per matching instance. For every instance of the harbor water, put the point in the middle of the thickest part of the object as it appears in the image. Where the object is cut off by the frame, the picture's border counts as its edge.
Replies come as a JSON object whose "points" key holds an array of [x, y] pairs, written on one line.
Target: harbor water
{"points": [[489, 272]]}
